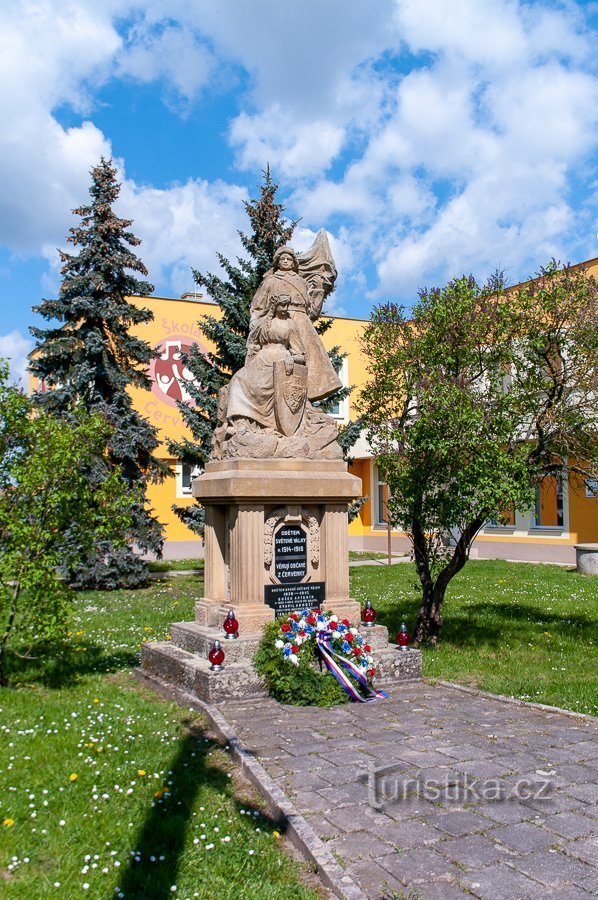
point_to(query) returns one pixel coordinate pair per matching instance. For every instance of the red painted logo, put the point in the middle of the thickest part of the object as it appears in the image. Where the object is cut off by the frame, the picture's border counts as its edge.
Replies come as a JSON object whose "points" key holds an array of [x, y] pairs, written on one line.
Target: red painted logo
{"points": [[170, 377]]}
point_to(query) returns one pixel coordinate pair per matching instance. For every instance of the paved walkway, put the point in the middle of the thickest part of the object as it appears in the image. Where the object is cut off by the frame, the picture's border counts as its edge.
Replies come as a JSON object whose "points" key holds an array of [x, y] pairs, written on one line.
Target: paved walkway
{"points": [[406, 791]]}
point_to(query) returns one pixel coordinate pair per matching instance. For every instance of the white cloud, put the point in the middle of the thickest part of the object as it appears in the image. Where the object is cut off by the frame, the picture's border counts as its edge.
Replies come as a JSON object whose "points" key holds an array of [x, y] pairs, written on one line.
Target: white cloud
{"points": [[183, 226], [429, 137], [14, 347], [306, 149], [172, 54], [473, 163]]}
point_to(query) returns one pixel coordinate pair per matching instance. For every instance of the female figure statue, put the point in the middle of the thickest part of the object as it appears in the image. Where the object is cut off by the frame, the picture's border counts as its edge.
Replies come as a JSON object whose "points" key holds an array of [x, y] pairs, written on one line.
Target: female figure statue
{"points": [[265, 410], [305, 304], [274, 337]]}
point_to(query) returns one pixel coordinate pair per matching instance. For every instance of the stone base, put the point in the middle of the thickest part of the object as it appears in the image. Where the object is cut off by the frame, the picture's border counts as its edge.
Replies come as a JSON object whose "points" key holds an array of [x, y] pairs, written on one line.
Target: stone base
{"points": [[184, 669], [396, 666], [251, 617], [183, 662], [207, 613], [345, 609]]}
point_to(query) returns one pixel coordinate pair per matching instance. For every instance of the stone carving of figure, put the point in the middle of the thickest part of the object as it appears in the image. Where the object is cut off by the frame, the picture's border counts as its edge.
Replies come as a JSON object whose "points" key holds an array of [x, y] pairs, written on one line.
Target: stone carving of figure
{"points": [[251, 390], [265, 410], [305, 304]]}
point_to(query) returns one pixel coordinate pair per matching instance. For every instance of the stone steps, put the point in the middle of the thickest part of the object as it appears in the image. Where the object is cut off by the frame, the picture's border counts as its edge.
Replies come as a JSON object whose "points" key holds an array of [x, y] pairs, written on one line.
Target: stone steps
{"points": [[188, 670], [396, 667], [200, 638], [183, 662]]}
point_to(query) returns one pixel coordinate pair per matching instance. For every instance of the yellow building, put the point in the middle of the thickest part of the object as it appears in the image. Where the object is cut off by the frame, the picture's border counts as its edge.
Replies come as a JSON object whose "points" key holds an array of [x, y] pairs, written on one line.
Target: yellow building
{"points": [[566, 513]]}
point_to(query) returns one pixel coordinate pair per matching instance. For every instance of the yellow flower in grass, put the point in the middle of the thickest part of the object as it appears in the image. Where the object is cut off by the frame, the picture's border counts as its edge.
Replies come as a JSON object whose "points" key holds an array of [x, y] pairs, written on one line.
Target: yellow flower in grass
{"points": [[8, 823], [276, 835], [73, 777], [141, 771]]}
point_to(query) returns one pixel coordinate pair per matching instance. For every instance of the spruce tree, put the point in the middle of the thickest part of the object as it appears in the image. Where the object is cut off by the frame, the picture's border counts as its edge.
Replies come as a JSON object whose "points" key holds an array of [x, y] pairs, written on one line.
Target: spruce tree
{"points": [[91, 358], [233, 294]]}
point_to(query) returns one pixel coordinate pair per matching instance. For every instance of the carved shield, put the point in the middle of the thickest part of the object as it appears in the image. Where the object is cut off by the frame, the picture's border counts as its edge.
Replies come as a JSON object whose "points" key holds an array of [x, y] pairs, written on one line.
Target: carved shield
{"points": [[290, 394]]}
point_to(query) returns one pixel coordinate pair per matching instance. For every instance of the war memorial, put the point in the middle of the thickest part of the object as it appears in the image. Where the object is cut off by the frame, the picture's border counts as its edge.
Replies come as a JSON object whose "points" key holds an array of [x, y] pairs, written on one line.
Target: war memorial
{"points": [[275, 494]]}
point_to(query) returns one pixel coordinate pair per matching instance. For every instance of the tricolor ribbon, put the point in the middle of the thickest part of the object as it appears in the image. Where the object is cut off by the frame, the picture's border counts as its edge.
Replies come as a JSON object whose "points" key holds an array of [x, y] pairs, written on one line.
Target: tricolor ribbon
{"points": [[324, 643]]}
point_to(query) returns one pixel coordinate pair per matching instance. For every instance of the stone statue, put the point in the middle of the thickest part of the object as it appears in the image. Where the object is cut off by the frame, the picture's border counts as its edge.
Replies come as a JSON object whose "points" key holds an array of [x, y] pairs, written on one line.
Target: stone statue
{"points": [[267, 409]]}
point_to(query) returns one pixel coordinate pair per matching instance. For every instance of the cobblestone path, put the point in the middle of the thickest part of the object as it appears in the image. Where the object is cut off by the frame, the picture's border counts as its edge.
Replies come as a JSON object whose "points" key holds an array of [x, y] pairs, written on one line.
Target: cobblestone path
{"points": [[436, 793]]}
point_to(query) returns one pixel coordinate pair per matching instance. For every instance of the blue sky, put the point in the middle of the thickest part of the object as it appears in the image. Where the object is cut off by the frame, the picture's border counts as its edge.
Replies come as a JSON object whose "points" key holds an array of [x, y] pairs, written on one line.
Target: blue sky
{"points": [[430, 138]]}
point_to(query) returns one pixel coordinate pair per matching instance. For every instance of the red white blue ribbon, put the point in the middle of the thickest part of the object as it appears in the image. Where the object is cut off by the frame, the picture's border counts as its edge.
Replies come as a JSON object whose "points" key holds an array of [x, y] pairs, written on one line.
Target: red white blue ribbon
{"points": [[324, 642]]}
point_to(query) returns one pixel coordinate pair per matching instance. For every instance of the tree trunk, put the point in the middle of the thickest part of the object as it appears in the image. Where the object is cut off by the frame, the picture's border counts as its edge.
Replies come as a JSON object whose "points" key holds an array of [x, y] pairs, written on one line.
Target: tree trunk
{"points": [[422, 565], [429, 619]]}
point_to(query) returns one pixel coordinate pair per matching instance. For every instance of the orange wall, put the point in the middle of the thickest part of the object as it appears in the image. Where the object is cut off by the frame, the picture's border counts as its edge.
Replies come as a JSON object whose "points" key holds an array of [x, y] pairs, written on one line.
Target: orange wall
{"points": [[583, 512]]}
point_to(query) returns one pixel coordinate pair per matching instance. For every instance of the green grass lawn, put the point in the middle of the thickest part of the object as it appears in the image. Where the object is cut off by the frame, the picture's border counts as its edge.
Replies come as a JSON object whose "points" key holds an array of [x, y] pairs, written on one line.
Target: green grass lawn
{"points": [[368, 554], [527, 631], [104, 786], [175, 565]]}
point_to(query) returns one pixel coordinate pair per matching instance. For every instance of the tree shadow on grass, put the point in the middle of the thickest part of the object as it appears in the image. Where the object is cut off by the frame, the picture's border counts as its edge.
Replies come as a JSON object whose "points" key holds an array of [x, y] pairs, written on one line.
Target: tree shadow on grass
{"points": [[485, 625], [163, 833], [60, 665]]}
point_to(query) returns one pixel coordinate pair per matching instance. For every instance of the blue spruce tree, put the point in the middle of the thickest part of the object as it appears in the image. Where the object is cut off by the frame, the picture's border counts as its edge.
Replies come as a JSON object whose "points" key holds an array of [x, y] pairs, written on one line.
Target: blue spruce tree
{"points": [[90, 358]]}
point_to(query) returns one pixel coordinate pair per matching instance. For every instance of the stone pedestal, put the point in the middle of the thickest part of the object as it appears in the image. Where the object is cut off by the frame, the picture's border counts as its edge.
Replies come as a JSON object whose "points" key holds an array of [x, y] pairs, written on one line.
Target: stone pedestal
{"points": [[246, 504]]}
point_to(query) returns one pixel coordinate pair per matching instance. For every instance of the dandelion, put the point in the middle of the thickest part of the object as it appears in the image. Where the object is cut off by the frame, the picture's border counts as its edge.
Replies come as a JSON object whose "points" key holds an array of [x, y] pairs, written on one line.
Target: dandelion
{"points": [[276, 835], [73, 777], [141, 771], [8, 823]]}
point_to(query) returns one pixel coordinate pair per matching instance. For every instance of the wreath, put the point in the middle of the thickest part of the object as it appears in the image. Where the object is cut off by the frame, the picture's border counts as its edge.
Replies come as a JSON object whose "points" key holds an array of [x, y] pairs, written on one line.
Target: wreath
{"points": [[312, 658]]}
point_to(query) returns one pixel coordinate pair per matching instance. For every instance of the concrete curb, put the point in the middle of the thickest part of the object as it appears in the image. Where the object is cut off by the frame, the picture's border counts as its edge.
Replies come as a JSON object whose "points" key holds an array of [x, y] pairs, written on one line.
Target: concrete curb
{"points": [[395, 561], [515, 701], [174, 573], [301, 835]]}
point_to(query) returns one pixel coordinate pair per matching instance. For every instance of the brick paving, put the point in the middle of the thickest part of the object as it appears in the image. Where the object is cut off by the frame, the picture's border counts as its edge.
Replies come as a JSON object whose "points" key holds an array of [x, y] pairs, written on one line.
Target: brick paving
{"points": [[435, 793]]}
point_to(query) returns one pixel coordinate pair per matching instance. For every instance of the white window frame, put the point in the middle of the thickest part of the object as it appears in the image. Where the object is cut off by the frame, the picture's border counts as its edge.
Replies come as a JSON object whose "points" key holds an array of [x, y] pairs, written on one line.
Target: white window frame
{"points": [[538, 528], [181, 490], [343, 408], [378, 485], [591, 488]]}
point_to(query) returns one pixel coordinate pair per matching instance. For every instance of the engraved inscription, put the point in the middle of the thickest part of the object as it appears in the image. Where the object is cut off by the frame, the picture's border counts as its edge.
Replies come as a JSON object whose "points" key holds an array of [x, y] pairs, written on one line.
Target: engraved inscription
{"points": [[290, 554]]}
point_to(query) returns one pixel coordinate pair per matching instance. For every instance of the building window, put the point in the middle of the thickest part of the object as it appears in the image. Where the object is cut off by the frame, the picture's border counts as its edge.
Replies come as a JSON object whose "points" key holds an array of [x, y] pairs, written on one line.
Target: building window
{"points": [[185, 473], [549, 508], [340, 410], [380, 498], [592, 488]]}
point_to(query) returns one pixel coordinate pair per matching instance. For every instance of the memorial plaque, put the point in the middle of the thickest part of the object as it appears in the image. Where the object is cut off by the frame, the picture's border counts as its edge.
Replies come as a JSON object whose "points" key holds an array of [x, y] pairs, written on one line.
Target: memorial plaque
{"points": [[290, 554], [286, 598]]}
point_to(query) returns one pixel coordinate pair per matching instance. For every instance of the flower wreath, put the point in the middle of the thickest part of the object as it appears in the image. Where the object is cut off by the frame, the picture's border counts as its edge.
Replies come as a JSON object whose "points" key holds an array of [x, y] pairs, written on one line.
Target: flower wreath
{"points": [[339, 645]]}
